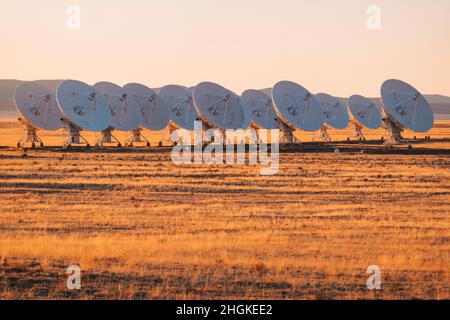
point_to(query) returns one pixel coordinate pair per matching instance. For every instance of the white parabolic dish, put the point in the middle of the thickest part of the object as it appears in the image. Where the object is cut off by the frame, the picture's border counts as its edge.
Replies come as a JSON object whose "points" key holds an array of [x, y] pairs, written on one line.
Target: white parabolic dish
{"points": [[406, 106], [181, 106], [83, 105], [365, 112], [296, 106], [124, 109], [258, 107], [38, 106], [154, 112], [334, 112], [218, 107]]}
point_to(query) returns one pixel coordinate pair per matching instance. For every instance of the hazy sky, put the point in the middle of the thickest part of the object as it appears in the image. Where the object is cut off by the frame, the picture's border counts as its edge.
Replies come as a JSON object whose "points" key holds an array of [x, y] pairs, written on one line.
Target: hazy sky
{"points": [[324, 44]]}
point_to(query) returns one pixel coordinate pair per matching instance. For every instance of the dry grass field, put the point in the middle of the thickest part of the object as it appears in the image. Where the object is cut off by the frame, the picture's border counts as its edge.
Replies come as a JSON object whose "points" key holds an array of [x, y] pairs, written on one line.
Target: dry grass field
{"points": [[141, 227]]}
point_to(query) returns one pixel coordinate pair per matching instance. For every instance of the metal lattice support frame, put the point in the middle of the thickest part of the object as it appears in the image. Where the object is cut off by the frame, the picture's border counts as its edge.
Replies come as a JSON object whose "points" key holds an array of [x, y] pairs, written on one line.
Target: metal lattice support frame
{"points": [[357, 131], [30, 135], [137, 137], [171, 129], [73, 134], [393, 133], [286, 133], [324, 135], [106, 137]]}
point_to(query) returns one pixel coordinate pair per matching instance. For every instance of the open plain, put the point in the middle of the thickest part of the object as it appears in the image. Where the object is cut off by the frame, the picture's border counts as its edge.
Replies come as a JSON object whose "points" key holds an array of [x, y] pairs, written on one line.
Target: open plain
{"points": [[141, 227]]}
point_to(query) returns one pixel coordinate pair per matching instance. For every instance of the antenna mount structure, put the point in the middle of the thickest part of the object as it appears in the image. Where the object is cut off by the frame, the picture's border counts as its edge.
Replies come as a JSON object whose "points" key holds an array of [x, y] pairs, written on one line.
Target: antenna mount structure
{"points": [[30, 135], [405, 108]]}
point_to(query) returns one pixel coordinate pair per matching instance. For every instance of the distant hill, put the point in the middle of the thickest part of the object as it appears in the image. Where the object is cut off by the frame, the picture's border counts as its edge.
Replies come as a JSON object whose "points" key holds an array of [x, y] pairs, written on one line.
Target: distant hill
{"points": [[438, 99], [7, 94], [439, 103]]}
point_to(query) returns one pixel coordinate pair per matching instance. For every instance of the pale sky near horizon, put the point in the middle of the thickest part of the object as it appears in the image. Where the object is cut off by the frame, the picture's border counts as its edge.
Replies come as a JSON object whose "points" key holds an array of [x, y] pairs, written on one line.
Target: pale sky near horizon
{"points": [[324, 44]]}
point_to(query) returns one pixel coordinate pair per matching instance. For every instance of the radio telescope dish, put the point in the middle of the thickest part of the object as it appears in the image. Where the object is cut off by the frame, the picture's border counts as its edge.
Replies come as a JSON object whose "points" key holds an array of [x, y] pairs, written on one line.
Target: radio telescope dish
{"points": [[296, 106], [124, 109], [365, 112], [334, 112], [83, 105], [38, 106], [406, 107], [181, 106], [218, 107], [153, 110], [259, 109]]}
